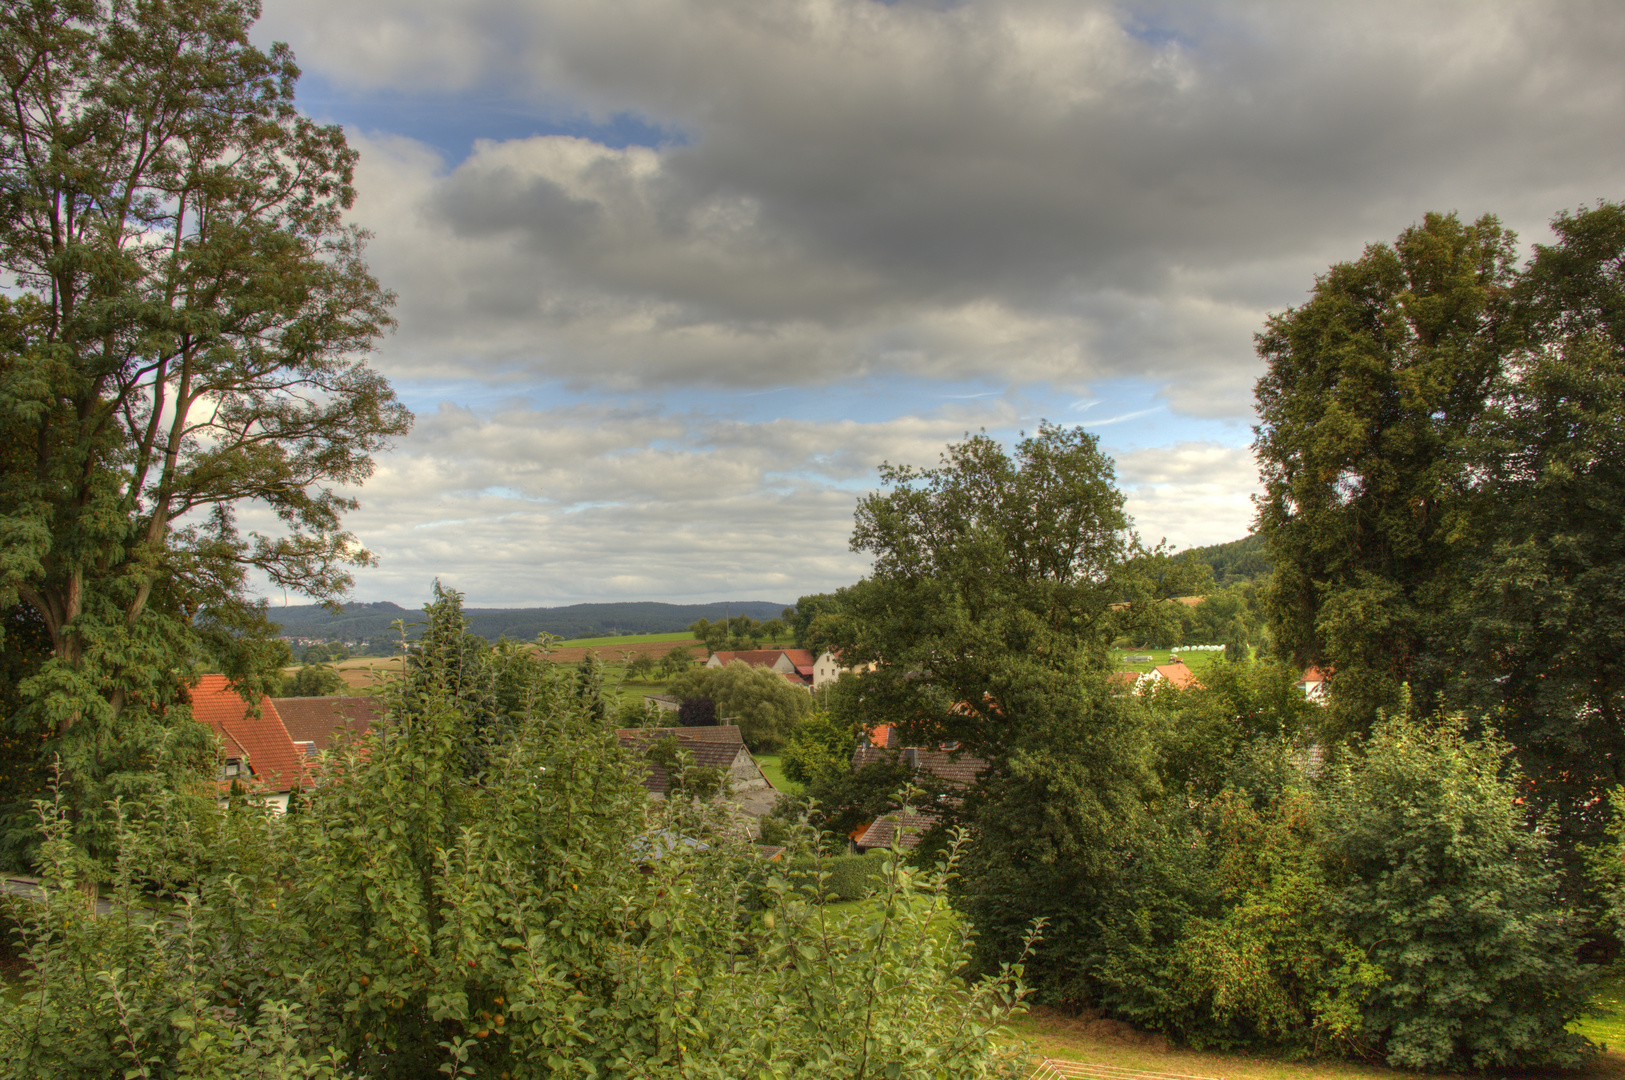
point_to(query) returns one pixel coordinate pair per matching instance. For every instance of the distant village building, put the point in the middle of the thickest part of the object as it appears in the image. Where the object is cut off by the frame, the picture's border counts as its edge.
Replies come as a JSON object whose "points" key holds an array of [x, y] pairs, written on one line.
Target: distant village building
{"points": [[720, 747], [258, 755], [946, 762], [796, 665], [827, 669]]}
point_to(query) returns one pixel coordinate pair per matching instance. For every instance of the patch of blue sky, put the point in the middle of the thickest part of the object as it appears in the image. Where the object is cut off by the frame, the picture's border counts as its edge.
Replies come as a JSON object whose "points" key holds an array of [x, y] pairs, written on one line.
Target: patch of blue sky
{"points": [[452, 122]]}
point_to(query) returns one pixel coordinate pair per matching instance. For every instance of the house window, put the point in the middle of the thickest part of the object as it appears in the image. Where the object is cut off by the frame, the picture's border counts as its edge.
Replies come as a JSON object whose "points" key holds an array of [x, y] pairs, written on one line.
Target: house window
{"points": [[233, 767]]}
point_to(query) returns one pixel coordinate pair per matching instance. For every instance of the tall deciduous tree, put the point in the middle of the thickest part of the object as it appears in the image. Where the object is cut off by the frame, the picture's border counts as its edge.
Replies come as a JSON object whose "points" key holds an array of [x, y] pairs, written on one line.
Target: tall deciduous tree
{"points": [[1365, 413], [1541, 622], [997, 579], [187, 340]]}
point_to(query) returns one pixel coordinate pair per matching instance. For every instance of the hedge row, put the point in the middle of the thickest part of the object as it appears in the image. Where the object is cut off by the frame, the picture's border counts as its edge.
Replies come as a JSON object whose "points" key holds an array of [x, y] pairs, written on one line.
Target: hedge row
{"points": [[850, 877]]}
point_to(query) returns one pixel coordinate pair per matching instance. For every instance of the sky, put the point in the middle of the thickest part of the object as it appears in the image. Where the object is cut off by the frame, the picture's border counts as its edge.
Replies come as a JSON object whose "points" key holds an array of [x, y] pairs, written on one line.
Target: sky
{"points": [[674, 279]]}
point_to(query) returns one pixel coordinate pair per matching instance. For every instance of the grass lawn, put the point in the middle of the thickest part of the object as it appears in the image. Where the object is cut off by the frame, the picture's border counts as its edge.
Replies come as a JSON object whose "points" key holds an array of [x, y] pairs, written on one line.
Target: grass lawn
{"points": [[1103, 1042], [775, 774], [1196, 661], [1609, 1028]]}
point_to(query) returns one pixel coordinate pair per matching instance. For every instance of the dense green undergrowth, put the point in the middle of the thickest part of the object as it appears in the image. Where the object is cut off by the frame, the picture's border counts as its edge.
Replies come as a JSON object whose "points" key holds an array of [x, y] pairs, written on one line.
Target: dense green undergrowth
{"points": [[481, 889]]}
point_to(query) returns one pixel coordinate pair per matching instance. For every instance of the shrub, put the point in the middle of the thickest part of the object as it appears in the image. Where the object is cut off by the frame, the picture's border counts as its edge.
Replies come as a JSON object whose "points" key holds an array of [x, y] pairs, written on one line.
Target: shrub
{"points": [[484, 890], [846, 877], [1449, 891], [762, 703], [818, 751]]}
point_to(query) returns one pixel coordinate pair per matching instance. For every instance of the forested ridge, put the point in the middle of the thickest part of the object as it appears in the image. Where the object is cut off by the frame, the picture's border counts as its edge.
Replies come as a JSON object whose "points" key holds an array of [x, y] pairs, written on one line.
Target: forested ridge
{"points": [[372, 621]]}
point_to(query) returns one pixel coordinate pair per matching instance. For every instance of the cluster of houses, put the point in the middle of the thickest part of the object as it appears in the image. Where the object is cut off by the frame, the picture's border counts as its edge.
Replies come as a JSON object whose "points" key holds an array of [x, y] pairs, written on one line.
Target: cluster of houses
{"points": [[269, 751], [797, 666]]}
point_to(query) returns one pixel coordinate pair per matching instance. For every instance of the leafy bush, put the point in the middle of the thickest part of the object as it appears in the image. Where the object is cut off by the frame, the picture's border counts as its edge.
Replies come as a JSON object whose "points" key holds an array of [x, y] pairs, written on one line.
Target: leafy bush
{"points": [[314, 680], [846, 877], [762, 703], [1231, 941], [818, 751], [481, 889], [1449, 891]]}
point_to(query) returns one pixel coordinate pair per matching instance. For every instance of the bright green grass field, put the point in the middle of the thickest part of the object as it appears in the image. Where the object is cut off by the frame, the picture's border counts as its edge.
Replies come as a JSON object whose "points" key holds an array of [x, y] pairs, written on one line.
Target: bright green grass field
{"points": [[1196, 661], [774, 772], [1609, 999]]}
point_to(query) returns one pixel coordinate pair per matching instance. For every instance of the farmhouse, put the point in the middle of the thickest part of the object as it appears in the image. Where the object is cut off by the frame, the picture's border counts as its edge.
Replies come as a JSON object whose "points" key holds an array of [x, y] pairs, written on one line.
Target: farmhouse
{"points": [[717, 747], [796, 665], [883, 743], [259, 756], [318, 723], [827, 669]]}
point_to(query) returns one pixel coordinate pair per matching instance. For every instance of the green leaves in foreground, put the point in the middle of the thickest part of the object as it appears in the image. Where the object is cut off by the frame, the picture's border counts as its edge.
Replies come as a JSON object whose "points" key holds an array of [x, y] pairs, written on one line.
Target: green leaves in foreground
{"points": [[519, 911]]}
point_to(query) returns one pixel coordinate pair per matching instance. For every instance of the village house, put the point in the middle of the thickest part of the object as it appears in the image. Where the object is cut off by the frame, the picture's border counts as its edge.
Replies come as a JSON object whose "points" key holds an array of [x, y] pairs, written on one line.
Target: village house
{"points": [[796, 665], [1313, 685], [319, 723], [258, 754], [718, 746], [1175, 673], [827, 669], [946, 762]]}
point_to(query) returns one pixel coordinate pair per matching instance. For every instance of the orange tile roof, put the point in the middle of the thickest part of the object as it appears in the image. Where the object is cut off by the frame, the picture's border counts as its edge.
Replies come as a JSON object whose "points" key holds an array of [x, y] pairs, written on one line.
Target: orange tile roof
{"points": [[261, 741], [908, 828], [1178, 674]]}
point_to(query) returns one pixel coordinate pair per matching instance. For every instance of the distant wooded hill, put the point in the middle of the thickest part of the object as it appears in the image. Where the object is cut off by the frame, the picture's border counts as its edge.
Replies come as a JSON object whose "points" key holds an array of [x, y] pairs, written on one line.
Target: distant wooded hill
{"points": [[1239, 560], [371, 622]]}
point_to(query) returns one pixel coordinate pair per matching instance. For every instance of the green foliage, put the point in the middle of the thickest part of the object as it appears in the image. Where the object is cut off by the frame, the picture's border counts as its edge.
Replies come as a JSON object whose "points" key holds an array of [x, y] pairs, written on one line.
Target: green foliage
{"points": [[850, 799], [1538, 628], [815, 620], [186, 329], [764, 705], [1053, 821], [325, 653], [818, 751], [313, 680], [1241, 560], [1373, 391], [736, 632], [998, 580], [1223, 934], [840, 877], [1202, 730], [675, 662], [1442, 884], [534, 917]]}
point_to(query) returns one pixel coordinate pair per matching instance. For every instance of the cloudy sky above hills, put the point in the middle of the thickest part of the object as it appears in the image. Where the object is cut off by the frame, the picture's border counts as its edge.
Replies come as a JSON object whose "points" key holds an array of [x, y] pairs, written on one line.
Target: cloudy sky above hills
{"points": [[675, 277]]}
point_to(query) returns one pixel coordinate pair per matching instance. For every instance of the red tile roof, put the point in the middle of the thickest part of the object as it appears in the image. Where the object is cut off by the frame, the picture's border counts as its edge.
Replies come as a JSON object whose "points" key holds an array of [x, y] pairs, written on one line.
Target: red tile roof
{"points": [[960, 770], [1178, 674], [767, 657], [321, 720], [261, 741]]}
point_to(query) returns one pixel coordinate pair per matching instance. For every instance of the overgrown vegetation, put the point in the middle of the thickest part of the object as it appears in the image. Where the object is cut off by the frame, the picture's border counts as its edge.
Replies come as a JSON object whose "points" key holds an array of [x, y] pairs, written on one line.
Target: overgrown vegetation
{"points": [[483, 890]]}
